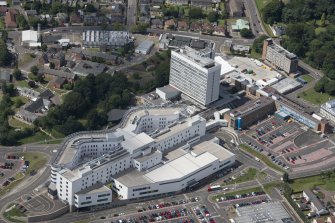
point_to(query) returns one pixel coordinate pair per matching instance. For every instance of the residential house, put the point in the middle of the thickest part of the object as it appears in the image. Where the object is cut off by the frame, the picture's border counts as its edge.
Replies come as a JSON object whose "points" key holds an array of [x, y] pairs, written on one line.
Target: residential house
{"points": [[58, 82], [207, 28], [278, 30], [316, 205], [30, 112], [156, 12], [219, 30], [58, 59], [195, 26], [46, 94], [236, 8], [68, 75], [330, 219], [84, 68], [80, 54], [182, 25], [117, 13], [157, 24], [10, 18], [28, 93], [75, 19], [240, 24], [144, 13], [47, 17], [170, 24], [202, 3], [94, 20], [6, 76], [3, 10], [177, 2], [62, 17]]}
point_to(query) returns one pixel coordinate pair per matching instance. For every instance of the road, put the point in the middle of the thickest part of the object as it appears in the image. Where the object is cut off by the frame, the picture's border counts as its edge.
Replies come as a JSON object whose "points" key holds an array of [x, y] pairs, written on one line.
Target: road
{"points": [[131, 12], [32, 182], [254, 16]]}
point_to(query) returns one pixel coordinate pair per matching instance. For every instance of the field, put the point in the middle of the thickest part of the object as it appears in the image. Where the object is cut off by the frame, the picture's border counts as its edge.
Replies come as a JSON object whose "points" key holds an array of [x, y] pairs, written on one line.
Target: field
{"points": [[327, 183], [37, 137], [14, 212], [314, 97], [307, 78], [18, 124], [250, 174], [37, 160]]}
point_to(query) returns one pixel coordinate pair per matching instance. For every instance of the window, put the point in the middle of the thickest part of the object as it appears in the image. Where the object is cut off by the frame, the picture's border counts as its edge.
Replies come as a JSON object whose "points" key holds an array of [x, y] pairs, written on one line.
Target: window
{"points": [[105, 199], [87, 198]]}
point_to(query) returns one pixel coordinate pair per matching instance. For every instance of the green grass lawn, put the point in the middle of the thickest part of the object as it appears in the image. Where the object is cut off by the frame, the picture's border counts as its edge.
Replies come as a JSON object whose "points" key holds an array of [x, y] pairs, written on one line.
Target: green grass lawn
{"points": [[249, 175], [38, 137], [15, 212], [261, 157], [37, 160], [56, 134], [221, 22], [25, 58], [307, 78], [18, 124], [315, 97], [222, 6], [261, 3], [22, 83], [320, 30], [310, 182]]}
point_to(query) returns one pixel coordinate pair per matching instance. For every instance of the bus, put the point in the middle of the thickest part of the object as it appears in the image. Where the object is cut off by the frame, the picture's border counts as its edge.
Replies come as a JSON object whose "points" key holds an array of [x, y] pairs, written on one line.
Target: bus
{"points": [[214, 188]]}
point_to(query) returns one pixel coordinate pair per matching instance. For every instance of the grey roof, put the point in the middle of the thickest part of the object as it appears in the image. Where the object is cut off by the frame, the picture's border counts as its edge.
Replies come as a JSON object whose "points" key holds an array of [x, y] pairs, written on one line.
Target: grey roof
{"points": [[27, 114], [115, 114], [5, 75], [47, 94], [59, 80], [84, 68], [34, 106], [59, 73], [145, 45], [88, 53]]}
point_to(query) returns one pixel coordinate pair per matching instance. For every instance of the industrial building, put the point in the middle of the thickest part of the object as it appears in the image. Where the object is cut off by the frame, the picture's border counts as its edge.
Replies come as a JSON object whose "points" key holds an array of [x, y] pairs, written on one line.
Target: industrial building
{"points": [[158, 152], [195, 75], [31, 38], [167, 92], [286, 85], [105, 39], [279, 57], [249, 113], [327, 110], [144, 47]]}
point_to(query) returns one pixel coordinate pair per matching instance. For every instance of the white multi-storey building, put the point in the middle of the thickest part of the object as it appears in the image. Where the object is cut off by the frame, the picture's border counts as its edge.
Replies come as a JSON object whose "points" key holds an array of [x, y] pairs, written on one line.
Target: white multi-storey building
{"points": [[195, 74], [327, 110], [131, 159], [279, 57]]}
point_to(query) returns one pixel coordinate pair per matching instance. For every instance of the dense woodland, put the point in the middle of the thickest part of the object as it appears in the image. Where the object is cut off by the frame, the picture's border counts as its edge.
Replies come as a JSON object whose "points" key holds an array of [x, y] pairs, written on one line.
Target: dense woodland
{"points": [[310, 34]]}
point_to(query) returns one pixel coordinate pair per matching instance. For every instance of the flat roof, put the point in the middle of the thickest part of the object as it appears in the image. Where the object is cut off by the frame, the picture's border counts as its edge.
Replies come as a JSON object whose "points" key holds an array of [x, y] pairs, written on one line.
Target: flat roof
{"points": [[168, 89], [225, 66], [213, 148], [145, 45], [195, 56], [180, 167], [273, 212], [132, 177], [138, 141], [251, 106], [94, 189], [285, 85], [149, 156]]}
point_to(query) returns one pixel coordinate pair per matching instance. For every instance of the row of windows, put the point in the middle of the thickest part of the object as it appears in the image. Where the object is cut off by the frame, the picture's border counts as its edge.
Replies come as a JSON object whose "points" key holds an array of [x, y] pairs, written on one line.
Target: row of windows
{"points": [[142, 188], [105, 199], [104, 195], [148, 192], [86, 202]]}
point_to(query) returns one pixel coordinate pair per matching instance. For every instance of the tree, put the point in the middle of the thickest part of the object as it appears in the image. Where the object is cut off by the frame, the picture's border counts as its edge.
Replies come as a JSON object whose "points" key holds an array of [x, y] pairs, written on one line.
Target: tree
{"points": [[212, 16], [195, 13], [17, 74], [5, 56], [257, 45], [34, 70], [44, 47], [18, 103], [95, 120], [246, 33], [52, 65], [323, 20], [285, 177], [21, 22], [140, 28], [272, 12], [90, 8], [330, 87], [31, 84], [320, 85]]}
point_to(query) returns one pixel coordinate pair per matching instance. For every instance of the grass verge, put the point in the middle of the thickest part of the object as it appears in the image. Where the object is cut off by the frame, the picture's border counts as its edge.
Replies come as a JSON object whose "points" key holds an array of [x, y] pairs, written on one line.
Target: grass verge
{"points": [[254, 189], [37, 137], [307, 78], [327, 182], [260, 5], [262, 157], [249, 175], [14, 212], [315, 97]]}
